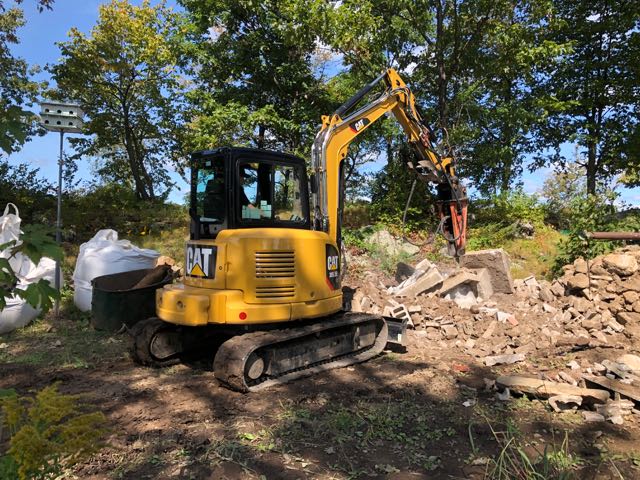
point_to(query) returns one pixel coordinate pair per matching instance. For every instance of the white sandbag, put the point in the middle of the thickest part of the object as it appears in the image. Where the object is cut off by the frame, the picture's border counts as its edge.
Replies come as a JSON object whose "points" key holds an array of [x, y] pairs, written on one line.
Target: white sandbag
{"points": [[10, 225], [104, 254], [16, 314]]}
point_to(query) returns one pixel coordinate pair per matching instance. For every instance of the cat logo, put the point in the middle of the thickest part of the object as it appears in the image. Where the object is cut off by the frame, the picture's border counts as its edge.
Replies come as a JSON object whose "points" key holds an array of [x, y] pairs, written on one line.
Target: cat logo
{"points": [[359, 125], [333, 267], [201, 261]]}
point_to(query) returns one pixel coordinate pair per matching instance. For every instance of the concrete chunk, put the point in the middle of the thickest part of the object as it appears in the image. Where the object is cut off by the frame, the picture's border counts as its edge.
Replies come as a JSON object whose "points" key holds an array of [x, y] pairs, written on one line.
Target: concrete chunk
{"points": [[479, 280], [545, 389], [428, 281], [503, 359], [497, 264]]}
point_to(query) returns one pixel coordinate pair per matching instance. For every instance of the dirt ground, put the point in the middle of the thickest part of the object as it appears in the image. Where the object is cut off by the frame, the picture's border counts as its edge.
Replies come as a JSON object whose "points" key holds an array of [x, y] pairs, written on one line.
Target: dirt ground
{"points": [[418, 414]]}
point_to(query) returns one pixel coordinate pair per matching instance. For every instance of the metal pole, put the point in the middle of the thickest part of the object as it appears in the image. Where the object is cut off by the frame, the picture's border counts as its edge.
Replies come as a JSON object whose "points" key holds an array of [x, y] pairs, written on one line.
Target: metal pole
{"points": [[59, 221], [613, 235]]}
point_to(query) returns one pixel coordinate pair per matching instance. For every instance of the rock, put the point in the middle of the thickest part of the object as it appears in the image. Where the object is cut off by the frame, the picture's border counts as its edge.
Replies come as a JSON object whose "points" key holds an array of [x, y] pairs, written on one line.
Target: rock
{"points": [[632, 284], [592, 416], [427, 281], [615, 410], [450, 331], [626, 318], [415, 309], [545, 294], [631, 361], [478, 280], [573, 365], [546, 389], [490, 329], [567, 378], [580, 266], [578, 282], [565, 402], [558, 289], [548, 308], [581, 304], [503, 359], [391, 245], [165, 260], [497, 264], [631, 297], [620, 264], [629, 391]]}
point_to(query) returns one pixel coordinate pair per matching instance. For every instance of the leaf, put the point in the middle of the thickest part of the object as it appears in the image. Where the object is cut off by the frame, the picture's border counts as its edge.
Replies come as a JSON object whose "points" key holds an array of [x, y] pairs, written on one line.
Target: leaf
{"points": [[39, 295]]}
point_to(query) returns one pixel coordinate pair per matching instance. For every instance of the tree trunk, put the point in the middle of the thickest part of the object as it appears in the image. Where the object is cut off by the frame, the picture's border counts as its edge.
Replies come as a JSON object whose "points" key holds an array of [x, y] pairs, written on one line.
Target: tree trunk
{"points": [[592, 167], [129, 144], [261, 131]]}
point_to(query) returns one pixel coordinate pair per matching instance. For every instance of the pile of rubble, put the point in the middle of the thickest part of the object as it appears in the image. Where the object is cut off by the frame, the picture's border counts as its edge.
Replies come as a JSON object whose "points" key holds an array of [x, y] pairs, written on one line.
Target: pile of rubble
{"points": [[478, 309]]}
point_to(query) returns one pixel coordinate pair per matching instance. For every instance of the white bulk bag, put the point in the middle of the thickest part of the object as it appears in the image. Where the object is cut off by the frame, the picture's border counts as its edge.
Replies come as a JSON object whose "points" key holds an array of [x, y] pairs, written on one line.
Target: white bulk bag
{"points": [[17, 312], [104, 254]]}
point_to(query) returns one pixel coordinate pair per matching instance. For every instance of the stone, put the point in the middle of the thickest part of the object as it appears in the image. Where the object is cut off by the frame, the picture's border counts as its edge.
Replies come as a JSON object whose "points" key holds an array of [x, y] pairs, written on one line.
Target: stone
{"points": [[578, 282], [632, 284], [503, 359], [548, 308], [565, 402], [497, 264], [450, 332], [558, 289], [165, 260], [615, 410], [631, 297], [391, 245], [573, 365], [580, 266], [546, 389], [490, 329], [628, 317], [590, 416], [545, 294], [567, 378], [620, 264], [415, 309], [631, 361], [593, 323], [628, 391], [426, 282], [478, 280]]}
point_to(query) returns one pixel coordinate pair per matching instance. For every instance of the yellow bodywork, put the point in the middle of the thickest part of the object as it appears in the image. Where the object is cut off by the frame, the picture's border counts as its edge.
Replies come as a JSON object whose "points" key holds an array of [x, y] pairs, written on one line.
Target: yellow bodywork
{"points": [[262, 275]]}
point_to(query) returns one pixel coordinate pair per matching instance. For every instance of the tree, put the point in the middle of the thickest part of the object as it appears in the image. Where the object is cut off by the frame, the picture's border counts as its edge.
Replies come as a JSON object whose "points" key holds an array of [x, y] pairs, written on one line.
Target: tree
{"points": [[127, 76], [17, 91], [257, 83], [596, 86]]}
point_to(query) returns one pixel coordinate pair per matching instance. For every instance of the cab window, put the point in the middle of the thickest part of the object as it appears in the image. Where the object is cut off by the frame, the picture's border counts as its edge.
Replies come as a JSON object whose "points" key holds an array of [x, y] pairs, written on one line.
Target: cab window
{"points": [[270, 192]]}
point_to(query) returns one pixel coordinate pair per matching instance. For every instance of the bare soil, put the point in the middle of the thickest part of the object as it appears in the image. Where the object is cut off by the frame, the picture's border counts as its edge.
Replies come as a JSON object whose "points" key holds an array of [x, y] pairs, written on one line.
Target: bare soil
{"points": [[422, 413]]}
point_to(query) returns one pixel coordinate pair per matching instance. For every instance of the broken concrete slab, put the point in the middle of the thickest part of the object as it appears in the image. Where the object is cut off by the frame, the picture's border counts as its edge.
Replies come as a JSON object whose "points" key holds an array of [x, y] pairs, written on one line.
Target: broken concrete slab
{"points": [[398, 311], [546, 389], [427, 281], [463, 296], [629, 391], [503, 359], [592, 416], [560, 403], [478, 280], [497, 264]]}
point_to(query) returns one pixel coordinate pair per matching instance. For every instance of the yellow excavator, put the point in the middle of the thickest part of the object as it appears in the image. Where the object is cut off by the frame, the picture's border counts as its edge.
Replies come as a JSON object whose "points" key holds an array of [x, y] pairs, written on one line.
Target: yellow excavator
{"points": [[263, 270]]}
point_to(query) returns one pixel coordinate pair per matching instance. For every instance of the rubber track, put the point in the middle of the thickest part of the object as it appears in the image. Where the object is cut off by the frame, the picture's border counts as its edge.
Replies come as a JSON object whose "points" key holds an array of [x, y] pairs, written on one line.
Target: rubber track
{"points": [[229, 363]]}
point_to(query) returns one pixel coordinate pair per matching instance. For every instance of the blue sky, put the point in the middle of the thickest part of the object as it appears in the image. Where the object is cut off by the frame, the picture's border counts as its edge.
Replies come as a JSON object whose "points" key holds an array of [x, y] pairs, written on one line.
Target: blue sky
{"points": [[37, 46]]}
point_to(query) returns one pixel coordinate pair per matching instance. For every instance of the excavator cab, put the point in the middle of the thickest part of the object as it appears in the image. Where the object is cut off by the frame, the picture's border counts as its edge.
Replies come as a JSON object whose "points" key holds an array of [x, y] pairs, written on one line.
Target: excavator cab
{"points": [[236, 188]]}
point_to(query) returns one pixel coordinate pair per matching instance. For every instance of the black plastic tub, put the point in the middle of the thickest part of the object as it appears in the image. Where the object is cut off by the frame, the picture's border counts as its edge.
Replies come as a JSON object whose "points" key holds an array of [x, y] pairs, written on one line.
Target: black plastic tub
{"points": [[114, 302]]}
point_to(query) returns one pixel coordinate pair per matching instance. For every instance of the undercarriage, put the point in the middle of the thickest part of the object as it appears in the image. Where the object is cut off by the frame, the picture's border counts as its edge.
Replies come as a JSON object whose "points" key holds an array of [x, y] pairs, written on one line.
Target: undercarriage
{"points": [[263, 358]]}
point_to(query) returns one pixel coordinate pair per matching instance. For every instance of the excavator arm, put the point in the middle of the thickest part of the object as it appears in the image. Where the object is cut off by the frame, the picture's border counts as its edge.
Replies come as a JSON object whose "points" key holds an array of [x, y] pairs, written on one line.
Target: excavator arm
{"points": [[340, 129]]}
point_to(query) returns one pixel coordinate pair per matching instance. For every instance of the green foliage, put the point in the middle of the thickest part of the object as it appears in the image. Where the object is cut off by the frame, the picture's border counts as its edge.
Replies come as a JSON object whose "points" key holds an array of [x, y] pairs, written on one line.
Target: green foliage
{"points": [[593, 88], [17, 91], [590, 214], [22, 186], [116, 206], [48, 432], [559, 190], [259, 80], [509, 208], [126, 75], [36, 242]]}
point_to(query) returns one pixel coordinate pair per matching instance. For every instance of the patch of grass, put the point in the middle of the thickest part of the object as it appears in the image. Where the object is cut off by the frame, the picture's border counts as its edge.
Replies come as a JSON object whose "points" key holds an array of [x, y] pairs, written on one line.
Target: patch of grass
{"points": [[519, 459], [169, 242]]}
